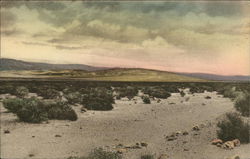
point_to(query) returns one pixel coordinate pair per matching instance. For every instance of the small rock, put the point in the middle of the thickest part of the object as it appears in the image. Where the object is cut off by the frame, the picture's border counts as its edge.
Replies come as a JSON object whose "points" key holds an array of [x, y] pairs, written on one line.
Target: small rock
{"points": [[80, 127], [228, 145], [216, 141], [185, 133], [163, 156], [203, 104], [58, 135], [33, 136], [171, 138], [178, 133], [144, 144], [234, 157], [236, 142], [121, 150], [208, 97], [31, 155], [6, 131], [83, 109], [184, 142], [196, 128], [158, 100], [186, 149], [120, 145]]}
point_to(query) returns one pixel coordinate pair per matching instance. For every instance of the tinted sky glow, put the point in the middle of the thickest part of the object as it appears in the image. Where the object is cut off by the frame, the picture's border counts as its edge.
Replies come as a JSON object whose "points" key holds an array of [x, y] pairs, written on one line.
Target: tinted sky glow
{"points": [[202, 36]]}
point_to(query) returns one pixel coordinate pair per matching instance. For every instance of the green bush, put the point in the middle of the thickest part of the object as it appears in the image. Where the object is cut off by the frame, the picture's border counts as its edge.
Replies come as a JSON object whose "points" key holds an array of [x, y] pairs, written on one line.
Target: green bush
{"points": [[97, 99], [156, 92], [233, 127], [21, 91], [128, 92], [13, 105], [99, 153], [148, 156], [33, 110], [146, 100], [242, 104], [73, 98], [61, 111], [182, 93], [48, 93]]}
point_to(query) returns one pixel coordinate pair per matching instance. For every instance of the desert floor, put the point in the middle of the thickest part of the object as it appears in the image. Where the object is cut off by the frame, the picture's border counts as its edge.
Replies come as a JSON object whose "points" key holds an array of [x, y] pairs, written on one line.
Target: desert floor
{"points": [[127, 124]]}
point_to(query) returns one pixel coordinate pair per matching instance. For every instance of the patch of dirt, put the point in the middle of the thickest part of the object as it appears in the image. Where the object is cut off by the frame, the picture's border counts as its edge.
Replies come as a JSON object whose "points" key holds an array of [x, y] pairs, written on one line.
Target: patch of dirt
{"points": [[127, 124]]}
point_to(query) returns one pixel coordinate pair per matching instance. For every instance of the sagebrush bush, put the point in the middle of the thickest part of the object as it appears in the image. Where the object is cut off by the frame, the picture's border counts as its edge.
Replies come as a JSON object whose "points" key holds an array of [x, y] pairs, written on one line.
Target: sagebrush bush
{"points": [[233, 127], [97, 99], [99, 153], [156, 92], [148, 156], [242, 104], [146, 99], [13, 105], [129, 92], [21, 91], [48, 93], [61, 111], [182, 93], [33, 110], [73, 97]]}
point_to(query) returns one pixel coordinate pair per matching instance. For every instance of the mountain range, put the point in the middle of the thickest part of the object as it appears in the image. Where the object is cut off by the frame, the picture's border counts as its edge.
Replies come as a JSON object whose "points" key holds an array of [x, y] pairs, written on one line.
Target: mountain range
{"points": [[18, 67]]}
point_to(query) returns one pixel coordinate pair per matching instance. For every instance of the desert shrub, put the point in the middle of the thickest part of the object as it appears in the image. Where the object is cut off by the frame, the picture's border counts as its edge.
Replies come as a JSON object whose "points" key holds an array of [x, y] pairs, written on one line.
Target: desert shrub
{"points": [[97, 103], [229, 92], [61, 111], [7, 88], [156, 92], [242, 104], [21, 91], [146, 100], [171, 88], [48, 93], [99, 153], [148, 156], [233, 127], [182, 93], [196, 89], [73, 97], [33, 110], [97, 99], [13, 105], [128, 92]]}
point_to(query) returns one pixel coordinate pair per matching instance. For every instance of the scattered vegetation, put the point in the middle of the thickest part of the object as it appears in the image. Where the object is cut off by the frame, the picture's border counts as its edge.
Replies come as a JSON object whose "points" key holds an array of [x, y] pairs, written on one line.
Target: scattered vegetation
{"points": [[146, 100], [99, 153], [148, 156], [156, 92], [21, 91], [233, 127], [128, 92], [33, 110], [242, 104], [97, 99], [49, 93], [182, 93]]}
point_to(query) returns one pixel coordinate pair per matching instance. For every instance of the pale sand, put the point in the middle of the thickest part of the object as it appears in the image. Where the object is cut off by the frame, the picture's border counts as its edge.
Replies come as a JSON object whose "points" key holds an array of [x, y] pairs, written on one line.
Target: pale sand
{"points": [[128, 123]]}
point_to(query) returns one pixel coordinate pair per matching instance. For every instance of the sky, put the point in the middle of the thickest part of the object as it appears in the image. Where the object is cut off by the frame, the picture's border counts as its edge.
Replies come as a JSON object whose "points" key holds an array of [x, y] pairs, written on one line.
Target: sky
{"points": [[180, 36]]}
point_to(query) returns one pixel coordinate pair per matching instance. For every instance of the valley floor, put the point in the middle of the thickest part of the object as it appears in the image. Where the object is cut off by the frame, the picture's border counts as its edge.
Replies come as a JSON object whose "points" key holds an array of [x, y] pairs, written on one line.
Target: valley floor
{"points": [[130, 122]]}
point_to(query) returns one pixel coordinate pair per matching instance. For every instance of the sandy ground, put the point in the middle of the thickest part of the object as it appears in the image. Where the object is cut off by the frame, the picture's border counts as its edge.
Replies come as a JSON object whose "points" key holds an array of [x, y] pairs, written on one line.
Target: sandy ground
{"points": [[127, 124]]}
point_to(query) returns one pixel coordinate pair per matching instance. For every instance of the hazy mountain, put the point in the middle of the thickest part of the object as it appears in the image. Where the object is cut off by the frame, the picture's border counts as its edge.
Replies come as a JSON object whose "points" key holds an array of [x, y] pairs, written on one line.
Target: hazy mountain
{"points": [[11, 64], [217, 77], [104, 73]]}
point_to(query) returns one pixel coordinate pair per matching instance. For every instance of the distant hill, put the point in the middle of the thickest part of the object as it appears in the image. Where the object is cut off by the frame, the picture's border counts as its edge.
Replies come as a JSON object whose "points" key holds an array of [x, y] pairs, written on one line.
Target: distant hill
{"points": [[18, 68], [216, 77], [11, 64]]}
